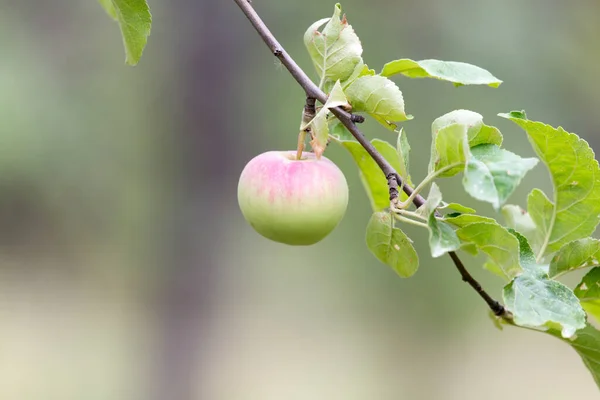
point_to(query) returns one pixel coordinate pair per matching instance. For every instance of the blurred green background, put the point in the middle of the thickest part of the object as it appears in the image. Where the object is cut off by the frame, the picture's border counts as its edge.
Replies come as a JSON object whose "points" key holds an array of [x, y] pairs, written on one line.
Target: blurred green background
{"points": [[126, 269]]}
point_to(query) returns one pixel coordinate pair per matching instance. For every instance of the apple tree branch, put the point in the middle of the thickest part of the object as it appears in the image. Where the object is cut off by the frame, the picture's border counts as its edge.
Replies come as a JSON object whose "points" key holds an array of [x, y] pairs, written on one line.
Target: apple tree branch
{"points": [[349, 121]]}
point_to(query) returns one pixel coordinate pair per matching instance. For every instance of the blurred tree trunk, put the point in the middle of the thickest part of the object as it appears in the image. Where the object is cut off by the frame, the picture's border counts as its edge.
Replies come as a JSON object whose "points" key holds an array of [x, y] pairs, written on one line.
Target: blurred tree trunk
{"points": [[204, 52]]}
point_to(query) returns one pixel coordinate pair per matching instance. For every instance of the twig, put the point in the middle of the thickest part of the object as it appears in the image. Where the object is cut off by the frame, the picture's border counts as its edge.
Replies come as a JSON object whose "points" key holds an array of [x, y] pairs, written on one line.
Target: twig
{"points": [[348, 120], [497, 308]]}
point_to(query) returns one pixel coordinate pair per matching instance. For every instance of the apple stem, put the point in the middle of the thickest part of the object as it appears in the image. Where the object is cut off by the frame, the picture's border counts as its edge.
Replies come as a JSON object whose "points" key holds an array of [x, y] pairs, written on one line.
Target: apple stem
{"points": [[308, 113], [301, 138]]}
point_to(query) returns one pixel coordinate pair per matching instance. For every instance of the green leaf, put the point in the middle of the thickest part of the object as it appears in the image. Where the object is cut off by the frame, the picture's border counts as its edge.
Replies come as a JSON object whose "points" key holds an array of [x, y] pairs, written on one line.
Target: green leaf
{"points": [[449, 139], [135, 22], [498, 322], [587, 344], [492, 174], [537, 303], [361, 69], [320, 134], [477, 131], [371, 176], [109, 8], [434, 199], [319, 125], [380, 98], [574, 211], [541, 211], [403, 150], [581, 253], [540, 303], [338, 131], [390, 245], [458, 208], [374, 181], [442, 238], [527, 258], [518, 219], [589, 287], [469, 248], [592, 308], [450, 151], [588, 292], [490, 238], [464, 220], [336, 97], [336, 50], [456, 72]]}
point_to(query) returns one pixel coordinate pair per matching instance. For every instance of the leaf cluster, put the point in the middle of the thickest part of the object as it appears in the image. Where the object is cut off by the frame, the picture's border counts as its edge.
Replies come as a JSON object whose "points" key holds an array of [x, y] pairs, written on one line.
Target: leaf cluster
{"points": [[532, 247]]}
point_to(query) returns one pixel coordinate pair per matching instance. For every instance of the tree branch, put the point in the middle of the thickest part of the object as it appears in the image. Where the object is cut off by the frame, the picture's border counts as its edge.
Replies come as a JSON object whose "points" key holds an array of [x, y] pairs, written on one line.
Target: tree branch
{"points": [[497, 308], [348, 120], [312, 90]]}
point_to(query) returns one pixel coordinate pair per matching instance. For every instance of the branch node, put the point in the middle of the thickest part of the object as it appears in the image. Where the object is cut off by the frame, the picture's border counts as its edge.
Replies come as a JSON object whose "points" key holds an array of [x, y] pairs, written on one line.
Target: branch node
{"points": [[277, 52], [498, 309], [394, 181], [309, 111], [310, 104], [357, 119]]}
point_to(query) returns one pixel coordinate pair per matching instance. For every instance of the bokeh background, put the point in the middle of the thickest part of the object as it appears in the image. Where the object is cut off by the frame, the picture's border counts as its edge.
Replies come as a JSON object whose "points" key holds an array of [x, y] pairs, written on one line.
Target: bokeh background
{"points": [[126, 270]]}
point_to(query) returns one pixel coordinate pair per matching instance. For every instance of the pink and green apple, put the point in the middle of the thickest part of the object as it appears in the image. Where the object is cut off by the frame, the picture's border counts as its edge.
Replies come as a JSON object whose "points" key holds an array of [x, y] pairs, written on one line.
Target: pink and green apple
{"points": [[296, 202]]}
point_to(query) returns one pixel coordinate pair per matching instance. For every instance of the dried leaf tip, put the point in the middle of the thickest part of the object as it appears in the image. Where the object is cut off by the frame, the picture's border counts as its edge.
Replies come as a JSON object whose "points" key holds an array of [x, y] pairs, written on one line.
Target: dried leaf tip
{"points": [[317, 148]]}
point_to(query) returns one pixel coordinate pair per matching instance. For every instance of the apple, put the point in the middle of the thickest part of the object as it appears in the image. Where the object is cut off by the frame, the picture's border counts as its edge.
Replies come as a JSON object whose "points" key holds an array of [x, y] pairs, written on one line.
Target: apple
{"points": [[290, 201]]}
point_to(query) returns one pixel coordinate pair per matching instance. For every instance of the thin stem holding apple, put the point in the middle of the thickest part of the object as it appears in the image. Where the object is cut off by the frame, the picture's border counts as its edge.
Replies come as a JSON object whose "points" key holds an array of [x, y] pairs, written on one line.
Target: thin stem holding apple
{"points": [[348, 120], [308, 113]]}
